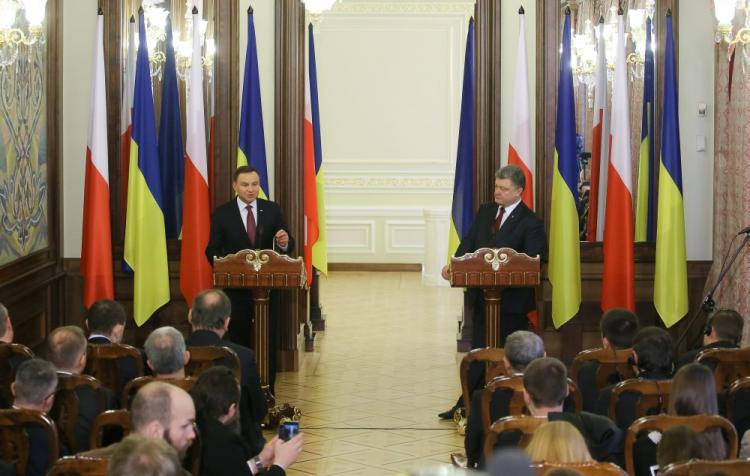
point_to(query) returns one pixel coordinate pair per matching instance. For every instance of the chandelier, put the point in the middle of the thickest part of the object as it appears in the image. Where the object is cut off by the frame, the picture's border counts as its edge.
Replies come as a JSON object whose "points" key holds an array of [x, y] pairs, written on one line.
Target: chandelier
{"points": [[725, 11], [17, 30]]}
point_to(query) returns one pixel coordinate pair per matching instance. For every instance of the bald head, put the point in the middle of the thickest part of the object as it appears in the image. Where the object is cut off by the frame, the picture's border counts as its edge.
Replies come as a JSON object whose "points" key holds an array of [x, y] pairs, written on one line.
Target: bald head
{"points": [[67, 349], [210, 310], [162, 410]]}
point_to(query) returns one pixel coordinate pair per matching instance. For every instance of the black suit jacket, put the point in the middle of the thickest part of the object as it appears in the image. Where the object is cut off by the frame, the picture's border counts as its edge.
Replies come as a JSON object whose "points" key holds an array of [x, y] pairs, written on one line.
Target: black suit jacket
{"points": [[522, 231], [224, 452], [228, 233]]}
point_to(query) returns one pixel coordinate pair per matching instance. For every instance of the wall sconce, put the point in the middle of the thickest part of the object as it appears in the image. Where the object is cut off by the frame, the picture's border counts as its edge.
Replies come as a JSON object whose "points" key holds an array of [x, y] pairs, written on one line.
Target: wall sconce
{"points": [[725, 11], [17, 30]]}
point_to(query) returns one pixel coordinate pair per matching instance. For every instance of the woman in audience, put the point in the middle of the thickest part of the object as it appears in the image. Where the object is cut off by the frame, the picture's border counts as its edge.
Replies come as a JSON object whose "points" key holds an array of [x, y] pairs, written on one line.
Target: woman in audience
{"points": [[680, 444], [558, 442], [693, 393]]}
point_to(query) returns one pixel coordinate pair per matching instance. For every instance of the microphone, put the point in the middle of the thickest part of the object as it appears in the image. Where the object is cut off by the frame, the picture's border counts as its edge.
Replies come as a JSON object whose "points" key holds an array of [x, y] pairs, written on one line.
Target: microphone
{"points": [[744, 230]]}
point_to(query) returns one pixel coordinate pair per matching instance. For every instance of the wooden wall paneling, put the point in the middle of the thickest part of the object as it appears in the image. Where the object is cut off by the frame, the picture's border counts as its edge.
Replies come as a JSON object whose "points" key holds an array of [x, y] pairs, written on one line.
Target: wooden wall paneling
{"points": [[288, 166]]}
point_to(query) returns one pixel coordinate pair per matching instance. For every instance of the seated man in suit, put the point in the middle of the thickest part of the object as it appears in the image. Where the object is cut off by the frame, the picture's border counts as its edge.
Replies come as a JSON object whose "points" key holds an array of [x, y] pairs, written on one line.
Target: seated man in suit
{"points": [[144, 456], [105, 320], [67, 351], [521, 348], [34, 389], [545, 388], [216, 396], [618, 328], [166, 354], [159, 410], [653, 351], [505, 222], [209, 316], [723, 331]]}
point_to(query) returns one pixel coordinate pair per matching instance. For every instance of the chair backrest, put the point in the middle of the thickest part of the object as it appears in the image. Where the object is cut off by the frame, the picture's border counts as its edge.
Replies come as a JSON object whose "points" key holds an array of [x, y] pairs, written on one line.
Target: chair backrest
{"points": [[730, 365], [109, 419], [524, 424], [79, 466], [492, 357], [517, 406], [653, 396], [697, 467], [661, 423], [611, 362], [102, 363], [592, 468], [67, 406], [15, 444], [205, 357], [738, 410], [134, 385], [9, 355]]}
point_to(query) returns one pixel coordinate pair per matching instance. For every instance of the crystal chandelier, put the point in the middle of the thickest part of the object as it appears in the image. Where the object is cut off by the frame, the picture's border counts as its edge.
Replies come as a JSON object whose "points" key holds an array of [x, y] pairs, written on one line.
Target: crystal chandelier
{"points": [[17, 30]]}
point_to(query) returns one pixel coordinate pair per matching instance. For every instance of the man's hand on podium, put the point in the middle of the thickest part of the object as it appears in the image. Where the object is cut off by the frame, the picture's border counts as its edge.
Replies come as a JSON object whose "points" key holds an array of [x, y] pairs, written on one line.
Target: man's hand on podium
{"points": [[446, 272], [282, 239]]}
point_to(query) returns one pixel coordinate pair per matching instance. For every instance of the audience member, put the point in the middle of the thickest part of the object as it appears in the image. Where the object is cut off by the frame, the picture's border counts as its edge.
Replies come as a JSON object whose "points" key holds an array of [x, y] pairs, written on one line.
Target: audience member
{"points": [[723, 331], [507, 461], [521, 347], [34, 389], [618, 328], [216, 395], [558, 442], [693, 393], [209, 317], [105, 320], [653, 351], [680, 444], [166, 354], [159, 410], [144, 456], [545, 388], [6, 327]]}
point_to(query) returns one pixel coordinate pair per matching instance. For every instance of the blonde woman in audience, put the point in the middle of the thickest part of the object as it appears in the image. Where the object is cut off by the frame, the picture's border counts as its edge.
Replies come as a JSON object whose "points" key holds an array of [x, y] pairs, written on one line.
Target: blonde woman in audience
{"points": [[558, 442]]}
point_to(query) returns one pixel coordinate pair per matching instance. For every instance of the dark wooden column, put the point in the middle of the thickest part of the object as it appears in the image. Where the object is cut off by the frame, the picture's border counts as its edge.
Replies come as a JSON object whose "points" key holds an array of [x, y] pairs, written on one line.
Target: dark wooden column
{"points": [[289, 107]]}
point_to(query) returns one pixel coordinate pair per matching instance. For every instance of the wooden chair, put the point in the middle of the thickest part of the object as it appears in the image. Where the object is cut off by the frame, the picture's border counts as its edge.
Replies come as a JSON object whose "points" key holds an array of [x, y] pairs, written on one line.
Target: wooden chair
{"points": [[586, 469], [662, 423], [205, 357], [102, 362], [10, 354], [524, 424], [493, 358], [79, 466], [134, 385], [517, 405], [67, 407], [106, 420], [15, 444], [696, 467], [729, 365], [653, 396], [611, 362], [737, 413]]}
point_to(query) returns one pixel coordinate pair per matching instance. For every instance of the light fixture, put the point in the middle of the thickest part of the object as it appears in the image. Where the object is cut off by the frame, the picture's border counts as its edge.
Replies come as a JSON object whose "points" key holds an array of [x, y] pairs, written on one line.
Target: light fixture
{"points": [[316, 8], [725, 11], [16, 30]]}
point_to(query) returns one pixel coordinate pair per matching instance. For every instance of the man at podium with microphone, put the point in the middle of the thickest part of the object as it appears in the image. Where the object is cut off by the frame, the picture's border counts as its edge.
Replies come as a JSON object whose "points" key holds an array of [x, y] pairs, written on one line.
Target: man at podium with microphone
{"points": [[248, 222], [505, 223]]}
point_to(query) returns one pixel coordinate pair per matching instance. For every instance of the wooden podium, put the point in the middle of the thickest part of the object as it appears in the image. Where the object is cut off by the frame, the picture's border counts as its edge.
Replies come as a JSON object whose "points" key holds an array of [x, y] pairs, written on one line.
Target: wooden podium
{"points": [[493, 270], [260, 271]]}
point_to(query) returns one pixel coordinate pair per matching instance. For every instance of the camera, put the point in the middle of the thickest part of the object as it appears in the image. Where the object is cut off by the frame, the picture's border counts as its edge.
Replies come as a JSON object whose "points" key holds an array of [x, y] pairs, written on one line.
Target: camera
{"points": [[288, 430]]}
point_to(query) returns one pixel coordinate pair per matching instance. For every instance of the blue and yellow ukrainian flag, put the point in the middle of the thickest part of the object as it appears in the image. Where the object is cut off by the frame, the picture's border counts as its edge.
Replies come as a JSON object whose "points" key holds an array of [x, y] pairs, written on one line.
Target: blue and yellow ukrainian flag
{"points": [[462, 210], [670, 277], [644, 216], [145, 239], [252, 145], [564, 249], [320, 247]]}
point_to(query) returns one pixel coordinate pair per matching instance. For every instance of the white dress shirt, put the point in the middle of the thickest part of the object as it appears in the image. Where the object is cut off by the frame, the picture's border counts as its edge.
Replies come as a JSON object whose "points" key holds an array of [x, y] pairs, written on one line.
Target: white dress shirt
{"points": [[243, 211], [508, 210]]}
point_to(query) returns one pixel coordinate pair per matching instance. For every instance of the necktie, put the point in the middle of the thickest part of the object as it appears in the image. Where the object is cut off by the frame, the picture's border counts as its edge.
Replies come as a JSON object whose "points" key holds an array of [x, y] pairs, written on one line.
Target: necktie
{"points": [[499, 218], [250, 224]]}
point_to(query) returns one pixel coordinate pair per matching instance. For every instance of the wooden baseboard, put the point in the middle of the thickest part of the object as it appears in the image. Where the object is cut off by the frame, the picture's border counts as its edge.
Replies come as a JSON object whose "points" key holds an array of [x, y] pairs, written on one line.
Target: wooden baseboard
{"points": [[376, 267]]}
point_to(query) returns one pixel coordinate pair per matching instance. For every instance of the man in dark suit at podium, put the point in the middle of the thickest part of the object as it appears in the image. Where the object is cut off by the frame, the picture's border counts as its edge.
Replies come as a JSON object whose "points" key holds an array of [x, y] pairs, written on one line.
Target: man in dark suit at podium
{"points": [[505, 223], [248, 222]]}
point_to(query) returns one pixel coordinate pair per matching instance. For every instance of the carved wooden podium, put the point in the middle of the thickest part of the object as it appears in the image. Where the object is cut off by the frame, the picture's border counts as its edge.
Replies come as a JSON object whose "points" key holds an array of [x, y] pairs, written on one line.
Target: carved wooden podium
{"points": [[493, 270], [260, 271]]}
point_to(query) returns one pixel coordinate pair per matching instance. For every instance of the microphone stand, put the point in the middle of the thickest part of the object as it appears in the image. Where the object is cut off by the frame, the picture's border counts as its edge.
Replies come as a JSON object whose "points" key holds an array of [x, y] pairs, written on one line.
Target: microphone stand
{"points": [[708, 304]]}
